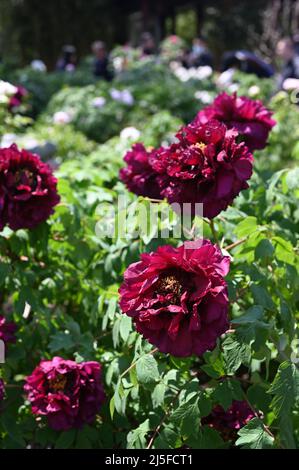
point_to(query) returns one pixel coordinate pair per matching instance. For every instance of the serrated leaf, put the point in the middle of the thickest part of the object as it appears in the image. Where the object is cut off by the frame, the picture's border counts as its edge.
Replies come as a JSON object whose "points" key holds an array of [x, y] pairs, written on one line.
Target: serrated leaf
{"points": [[188, 416], [235, 353], [147, 369], [254, 436], [285, 389], [226, 392], [137, 438]]}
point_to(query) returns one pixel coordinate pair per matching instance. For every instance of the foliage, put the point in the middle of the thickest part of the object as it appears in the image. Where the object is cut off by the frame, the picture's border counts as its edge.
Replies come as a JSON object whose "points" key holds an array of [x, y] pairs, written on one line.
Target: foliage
{"points": [[59, 284]]}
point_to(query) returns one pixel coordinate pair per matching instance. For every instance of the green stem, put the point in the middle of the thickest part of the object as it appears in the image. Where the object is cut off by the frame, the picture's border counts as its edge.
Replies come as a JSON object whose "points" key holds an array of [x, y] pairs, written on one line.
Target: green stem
{"points": [[214, 231]]}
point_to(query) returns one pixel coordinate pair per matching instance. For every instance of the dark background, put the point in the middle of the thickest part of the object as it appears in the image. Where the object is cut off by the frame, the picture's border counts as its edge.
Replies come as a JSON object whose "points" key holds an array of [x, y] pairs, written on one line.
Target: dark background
{"points": [[31, 29]]}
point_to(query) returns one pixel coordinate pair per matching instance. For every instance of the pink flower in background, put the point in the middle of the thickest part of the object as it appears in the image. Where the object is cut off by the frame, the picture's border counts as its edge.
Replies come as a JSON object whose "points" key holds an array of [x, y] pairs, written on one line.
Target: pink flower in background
{"points": [[18, 97], [67, 393], [28, 190], [7, 330], [250, 118], [2, 390], [178, 298]]}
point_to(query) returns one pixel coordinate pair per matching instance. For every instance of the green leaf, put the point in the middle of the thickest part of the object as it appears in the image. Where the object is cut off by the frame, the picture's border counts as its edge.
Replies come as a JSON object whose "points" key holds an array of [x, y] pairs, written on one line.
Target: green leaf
{"points": [[226, 392], [207, 438], [254, 436], [147, 369], [158, 394], [246, 227], [188, 416], [66, 439], [262, 297], [137, 438], [125, 327], [285, 389], [264, 250], [234, 354], [284, 250]]}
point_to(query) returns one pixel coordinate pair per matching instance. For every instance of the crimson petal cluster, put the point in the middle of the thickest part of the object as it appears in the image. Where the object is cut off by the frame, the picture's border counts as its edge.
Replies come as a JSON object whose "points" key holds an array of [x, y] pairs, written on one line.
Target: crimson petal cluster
{"points": [[67, 393], [139, 176], [28, 190], [207, 166], [249, 117], [212, 160], [178, 298], [230, 421]]}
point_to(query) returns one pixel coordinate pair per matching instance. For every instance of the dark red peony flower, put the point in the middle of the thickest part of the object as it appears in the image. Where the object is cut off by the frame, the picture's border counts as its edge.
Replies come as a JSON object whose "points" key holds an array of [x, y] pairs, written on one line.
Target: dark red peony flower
{"points": [[139, 176], [27, 189], [177, 297], [68, 393], [249, 117], [7, 330], [230, 421], [2, 390], [17, 99], [207, 166]]}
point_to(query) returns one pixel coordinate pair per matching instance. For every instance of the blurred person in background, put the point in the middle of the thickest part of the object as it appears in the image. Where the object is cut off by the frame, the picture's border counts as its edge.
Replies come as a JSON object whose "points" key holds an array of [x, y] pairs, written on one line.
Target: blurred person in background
{"points": [[68, 60], [101, 61], [288, 78], [246, 62], [147, 44], [200, 54]]}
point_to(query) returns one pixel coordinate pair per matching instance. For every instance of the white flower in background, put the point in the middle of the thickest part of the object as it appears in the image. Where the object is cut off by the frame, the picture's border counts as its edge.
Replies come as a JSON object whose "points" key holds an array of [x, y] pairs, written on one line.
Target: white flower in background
{"points": [[7, 140], [254, 90], [62, 117], [130, 133], [226, 78], [204, 96], [233, 88], [29, 143], [124, 96], [204, 72], [38, 65], [115, 94], [70, 68], [174, 65], [127, 97], [199, 73], [118, 64], [182, 73], [99, 102], [6, 91]]}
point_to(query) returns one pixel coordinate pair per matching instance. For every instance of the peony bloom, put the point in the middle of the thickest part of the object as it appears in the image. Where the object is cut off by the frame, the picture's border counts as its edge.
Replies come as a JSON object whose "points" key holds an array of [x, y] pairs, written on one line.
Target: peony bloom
{"points": [[249, 117], [207, 166], [2, 390], [138, 176], [178, 298], [230, 421], [27, 189], [68, 393], [7, 330]]}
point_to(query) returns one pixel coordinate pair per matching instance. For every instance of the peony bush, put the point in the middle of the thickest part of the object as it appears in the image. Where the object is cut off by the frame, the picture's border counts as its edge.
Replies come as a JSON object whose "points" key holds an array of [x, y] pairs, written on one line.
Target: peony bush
{"points": [[141, 340]]}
